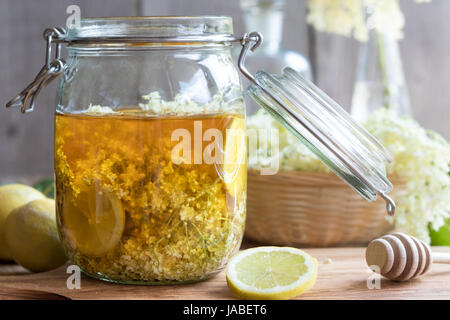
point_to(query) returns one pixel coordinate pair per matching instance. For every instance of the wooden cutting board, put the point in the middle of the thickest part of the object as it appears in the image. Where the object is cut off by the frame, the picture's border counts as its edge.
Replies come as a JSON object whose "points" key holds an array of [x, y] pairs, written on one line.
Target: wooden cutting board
{"points": [[343, 274]]}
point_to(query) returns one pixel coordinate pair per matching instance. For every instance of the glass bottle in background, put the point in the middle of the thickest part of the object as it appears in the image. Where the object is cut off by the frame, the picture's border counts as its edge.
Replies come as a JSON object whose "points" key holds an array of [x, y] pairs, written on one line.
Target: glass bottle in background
{"points": [[380, 80], [266, 16]]}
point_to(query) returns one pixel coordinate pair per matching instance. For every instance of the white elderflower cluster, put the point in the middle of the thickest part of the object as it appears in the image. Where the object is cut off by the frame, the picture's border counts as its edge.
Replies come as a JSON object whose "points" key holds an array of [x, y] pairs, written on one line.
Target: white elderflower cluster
{"points": [[181, 105], [423, 158], [357, 17], [99, 109], [184, 105]]}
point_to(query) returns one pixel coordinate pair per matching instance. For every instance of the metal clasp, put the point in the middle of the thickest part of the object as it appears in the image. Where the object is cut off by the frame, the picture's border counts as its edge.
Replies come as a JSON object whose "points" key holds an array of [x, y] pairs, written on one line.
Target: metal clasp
{"points": [[249, 41], [52, 68]]}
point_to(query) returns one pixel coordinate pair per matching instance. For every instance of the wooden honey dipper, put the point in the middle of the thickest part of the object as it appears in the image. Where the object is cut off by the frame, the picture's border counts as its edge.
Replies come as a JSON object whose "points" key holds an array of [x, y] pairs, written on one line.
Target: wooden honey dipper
{"points": [[401, 257]]}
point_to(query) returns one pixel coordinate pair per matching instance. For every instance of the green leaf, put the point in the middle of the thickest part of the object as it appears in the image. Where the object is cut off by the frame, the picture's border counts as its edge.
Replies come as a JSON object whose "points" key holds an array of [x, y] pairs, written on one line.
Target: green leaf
{"points": [[47, 187]]}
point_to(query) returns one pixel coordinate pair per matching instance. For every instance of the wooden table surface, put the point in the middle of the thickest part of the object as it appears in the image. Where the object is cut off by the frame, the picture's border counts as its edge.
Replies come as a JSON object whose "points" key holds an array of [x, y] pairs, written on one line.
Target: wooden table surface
{"points": [[342, 274]]}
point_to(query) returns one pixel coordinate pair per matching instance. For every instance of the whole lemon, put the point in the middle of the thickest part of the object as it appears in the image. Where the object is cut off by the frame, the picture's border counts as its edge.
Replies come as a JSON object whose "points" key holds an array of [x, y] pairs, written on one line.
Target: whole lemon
{"points": [[11, 197], [32, 236]]}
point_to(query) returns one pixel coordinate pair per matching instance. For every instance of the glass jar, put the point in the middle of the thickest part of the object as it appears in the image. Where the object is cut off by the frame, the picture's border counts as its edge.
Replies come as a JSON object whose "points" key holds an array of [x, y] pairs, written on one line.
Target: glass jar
{"points": [[150, 149]]}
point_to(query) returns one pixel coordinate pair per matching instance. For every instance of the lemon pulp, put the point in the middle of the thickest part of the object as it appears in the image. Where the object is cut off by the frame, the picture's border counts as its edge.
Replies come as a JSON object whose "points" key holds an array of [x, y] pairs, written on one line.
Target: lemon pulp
{"points": [[271, 273], [94, 221]]}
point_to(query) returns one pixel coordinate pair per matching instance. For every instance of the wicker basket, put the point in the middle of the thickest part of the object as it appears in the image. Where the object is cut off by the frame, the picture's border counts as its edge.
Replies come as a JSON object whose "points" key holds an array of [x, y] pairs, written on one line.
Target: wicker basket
{"points": [[312, 209]]}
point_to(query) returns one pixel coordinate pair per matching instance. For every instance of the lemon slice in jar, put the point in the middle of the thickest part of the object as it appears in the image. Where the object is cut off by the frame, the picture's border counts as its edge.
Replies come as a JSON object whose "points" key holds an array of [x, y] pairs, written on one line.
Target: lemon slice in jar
{"points": [[93, 221], [234, 170], [271, 273]]}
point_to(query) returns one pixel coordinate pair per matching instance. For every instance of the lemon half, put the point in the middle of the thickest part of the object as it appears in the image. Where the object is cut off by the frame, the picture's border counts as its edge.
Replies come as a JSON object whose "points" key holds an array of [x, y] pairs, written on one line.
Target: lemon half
{"points": [[93, 221], [274, 273]]}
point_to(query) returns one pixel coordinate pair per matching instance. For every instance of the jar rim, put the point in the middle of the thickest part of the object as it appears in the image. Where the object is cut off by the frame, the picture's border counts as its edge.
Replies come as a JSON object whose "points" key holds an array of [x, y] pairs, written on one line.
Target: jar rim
{"points": [[153, 29]]}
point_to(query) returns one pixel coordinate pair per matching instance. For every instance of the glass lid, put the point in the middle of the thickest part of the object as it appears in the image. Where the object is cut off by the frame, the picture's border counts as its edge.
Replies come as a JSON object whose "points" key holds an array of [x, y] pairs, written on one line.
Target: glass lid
{"points": [[323, 126]]}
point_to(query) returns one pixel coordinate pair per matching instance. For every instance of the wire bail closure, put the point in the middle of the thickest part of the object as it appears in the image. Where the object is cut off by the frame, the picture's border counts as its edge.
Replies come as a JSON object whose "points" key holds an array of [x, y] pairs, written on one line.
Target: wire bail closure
{"points": [[52, 68]]}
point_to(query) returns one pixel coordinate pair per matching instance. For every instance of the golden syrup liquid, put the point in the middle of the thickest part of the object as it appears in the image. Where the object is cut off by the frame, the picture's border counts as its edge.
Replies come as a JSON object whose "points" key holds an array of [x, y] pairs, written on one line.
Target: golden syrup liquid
{"points": [[138, 199]]}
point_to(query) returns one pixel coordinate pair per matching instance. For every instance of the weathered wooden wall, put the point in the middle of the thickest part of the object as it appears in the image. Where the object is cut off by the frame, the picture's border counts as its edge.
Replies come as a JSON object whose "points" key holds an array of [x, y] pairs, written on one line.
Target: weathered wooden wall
{"points": [[26, 140]]}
